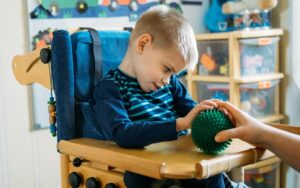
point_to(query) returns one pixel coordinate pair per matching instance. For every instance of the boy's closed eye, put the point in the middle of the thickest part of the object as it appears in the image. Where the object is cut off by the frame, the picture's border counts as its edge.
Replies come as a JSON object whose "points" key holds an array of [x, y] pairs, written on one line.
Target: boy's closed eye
{"points": [[167, 69]]}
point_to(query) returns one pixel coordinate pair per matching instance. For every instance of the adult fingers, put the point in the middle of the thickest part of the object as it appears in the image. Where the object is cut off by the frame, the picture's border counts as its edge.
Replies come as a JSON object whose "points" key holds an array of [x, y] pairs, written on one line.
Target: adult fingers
{"points": [[228, 114], [210, 103], [227, 134], [205, 107], [230, 107], [232, 119], [224, 110], [215, 100], [196, 110]]}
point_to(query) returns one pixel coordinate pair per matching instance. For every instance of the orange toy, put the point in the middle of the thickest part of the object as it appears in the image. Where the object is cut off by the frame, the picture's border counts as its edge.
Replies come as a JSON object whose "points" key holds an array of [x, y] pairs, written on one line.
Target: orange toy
{"points": [[208, 62]]}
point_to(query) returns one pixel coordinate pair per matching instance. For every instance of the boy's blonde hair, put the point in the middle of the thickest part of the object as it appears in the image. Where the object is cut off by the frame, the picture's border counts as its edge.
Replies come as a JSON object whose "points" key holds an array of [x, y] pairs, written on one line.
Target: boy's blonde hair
{"points": [[169, 29]]}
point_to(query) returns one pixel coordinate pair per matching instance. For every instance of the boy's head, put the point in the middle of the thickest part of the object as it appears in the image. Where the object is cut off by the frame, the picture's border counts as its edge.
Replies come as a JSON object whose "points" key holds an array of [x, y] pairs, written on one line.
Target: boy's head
{"points": [[168, 29], [161, 44]]}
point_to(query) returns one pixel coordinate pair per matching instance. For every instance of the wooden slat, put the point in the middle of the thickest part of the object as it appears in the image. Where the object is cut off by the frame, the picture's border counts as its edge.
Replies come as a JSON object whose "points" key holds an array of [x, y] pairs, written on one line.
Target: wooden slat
{"points": [[289, 128], [240, 34], [207, 168], [215, 36], [258, 33], [218, 79], [271, 118], [258, 78], [260, 164]]}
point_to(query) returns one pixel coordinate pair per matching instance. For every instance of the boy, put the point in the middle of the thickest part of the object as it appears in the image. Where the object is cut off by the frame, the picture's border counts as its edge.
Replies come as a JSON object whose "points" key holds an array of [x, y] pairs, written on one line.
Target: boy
{"points": [[141, 102]]}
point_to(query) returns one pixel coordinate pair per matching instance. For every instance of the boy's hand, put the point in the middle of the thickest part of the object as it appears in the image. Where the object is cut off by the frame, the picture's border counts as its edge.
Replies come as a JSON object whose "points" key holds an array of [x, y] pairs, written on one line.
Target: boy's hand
{"points": [[185, 122]]}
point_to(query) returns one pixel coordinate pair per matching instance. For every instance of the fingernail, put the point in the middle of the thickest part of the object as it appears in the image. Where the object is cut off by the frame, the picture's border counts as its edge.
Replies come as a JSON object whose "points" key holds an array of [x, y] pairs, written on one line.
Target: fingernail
{"points": [[217, 139]]}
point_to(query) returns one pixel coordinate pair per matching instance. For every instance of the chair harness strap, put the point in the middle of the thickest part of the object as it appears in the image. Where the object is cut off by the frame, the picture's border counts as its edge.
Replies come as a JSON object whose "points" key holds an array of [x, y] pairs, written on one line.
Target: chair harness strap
{"points": [[98, 68]]}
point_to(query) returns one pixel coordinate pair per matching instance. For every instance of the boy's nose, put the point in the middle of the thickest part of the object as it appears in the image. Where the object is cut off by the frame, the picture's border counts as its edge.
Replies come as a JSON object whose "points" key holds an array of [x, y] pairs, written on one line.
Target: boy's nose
{"points": [[165, 81]]}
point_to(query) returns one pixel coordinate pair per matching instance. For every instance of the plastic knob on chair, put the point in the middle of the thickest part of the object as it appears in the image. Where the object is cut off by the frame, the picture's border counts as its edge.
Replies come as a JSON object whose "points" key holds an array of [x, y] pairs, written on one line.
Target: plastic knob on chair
{"points": [[45, 55], [77, 162], [75, 180], [111, 185], [92, 183]]}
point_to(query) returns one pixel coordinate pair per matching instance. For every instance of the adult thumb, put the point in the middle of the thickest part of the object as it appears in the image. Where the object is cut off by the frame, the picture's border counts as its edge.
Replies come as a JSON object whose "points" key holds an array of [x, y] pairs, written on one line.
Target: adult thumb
{"points": [[226, 135]]}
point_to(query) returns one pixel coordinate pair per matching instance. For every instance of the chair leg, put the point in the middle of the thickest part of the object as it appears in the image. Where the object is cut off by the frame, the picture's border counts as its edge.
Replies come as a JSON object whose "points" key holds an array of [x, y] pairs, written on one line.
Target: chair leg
{"points": [[64, 170]]}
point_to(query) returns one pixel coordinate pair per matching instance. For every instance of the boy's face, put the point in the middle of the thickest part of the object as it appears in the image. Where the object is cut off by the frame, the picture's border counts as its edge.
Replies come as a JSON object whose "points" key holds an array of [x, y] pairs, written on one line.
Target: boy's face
{"points": [[154, 66]]}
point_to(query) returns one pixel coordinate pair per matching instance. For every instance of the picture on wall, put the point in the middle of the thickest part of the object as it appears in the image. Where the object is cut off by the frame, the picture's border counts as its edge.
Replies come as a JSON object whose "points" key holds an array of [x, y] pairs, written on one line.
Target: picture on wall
{"points": [[93, 8]]}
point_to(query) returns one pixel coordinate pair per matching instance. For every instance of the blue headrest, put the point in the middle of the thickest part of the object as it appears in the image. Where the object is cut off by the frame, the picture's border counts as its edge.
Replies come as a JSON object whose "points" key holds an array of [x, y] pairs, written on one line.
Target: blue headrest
{"points": [[72, 66]]}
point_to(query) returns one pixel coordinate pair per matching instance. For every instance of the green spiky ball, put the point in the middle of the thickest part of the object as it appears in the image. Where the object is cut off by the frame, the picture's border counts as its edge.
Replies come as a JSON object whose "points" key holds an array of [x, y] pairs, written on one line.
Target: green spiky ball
{"points": [[205, 127]]}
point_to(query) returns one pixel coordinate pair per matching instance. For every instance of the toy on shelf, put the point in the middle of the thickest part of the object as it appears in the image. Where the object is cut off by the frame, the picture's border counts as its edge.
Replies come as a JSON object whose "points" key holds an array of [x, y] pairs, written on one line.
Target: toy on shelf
{"points": [[213, 59], [205, 127], [258, 55], [232, 7], [216, 20], [264, 176], [257, 99], [208, 62], [250, 14]]}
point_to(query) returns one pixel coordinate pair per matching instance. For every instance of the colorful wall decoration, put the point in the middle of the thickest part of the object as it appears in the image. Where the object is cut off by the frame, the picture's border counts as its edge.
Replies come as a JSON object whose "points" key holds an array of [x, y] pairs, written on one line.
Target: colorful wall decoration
{"points": [[93, 8]]}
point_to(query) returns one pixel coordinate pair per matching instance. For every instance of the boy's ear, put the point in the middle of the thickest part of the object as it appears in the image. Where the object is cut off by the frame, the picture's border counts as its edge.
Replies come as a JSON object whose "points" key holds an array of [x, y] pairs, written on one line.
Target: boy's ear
{"points": [[143, 41]]}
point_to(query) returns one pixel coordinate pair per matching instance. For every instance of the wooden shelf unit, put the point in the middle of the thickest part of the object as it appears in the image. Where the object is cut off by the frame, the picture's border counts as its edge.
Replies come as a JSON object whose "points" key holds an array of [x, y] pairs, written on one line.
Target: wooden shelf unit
{"points": [[235, 78]]}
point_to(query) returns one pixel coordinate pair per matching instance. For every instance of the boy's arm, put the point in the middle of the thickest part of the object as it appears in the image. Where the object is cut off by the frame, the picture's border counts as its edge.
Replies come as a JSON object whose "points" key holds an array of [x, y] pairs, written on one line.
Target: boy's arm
{"points": [[112, 116]]}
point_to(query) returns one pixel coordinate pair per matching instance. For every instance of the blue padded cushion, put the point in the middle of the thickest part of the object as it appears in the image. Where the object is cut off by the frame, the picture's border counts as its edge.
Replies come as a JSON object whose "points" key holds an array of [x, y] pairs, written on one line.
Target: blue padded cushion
{"points": [[72, 69], [113, 48]]}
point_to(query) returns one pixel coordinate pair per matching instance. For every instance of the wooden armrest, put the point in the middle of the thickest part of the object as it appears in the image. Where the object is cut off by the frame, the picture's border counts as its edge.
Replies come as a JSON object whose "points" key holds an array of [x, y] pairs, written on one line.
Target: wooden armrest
{"points": [[288, 128], [175, 159]]}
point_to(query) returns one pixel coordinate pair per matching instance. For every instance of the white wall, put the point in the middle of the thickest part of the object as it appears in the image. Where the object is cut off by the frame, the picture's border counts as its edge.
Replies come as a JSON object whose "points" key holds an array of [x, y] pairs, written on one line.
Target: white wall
{"points": [[2, 149], [19, 148], [288, 19], [15, 108]]}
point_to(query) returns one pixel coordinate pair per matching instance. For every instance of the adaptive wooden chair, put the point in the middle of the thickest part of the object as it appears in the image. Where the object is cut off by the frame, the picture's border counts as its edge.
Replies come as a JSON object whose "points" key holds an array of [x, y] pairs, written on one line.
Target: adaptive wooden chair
{"points": [[77, 62]]}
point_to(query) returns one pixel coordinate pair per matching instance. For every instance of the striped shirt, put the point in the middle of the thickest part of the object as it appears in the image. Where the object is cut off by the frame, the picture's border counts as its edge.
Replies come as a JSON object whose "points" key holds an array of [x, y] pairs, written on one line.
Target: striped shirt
{"points": [[142, 106], [134, 118]]}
